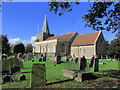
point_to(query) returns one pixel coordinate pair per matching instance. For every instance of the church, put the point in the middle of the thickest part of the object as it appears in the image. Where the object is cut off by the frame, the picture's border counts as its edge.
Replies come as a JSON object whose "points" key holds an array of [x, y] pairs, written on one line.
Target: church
{"points": [[70, 44]]}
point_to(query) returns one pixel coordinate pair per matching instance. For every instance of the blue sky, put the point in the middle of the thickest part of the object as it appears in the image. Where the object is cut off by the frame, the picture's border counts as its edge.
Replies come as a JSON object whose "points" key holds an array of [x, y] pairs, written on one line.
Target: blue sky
{"points": [[20, 21]]}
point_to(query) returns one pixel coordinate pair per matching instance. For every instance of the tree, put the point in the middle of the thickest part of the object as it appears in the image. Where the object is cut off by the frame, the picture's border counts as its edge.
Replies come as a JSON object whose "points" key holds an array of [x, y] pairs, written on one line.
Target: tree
{"points": [[19, 48], [5, 45], [114, 48], [29, 48], [100, 16]]}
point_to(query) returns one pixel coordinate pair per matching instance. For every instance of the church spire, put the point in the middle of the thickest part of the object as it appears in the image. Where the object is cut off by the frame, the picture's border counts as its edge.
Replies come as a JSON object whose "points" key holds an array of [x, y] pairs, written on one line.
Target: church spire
{"points": [[45, 27]]}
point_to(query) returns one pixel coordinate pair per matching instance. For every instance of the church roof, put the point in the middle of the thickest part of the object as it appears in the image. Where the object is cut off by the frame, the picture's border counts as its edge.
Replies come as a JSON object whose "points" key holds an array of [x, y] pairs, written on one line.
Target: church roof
{"points": [[64, 36], [85, 39]]}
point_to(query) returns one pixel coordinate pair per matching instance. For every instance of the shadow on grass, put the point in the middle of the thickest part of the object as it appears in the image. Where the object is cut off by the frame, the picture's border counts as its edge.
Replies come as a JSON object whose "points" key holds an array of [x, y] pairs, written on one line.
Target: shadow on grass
{"points": [[59, 82], [110, 73]]}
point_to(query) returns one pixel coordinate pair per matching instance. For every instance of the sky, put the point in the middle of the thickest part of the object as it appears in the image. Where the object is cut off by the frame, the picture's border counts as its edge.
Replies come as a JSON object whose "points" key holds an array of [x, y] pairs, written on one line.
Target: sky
{"points": [[20, 21]]}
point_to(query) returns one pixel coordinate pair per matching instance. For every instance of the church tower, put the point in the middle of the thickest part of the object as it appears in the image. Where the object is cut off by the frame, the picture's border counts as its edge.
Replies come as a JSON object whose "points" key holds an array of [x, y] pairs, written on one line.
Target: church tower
{"points": [[45, 32]]}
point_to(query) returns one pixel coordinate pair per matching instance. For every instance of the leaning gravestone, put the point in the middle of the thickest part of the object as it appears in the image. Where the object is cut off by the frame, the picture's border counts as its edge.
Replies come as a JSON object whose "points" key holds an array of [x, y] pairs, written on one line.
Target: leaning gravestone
{"points": [[96, 64], [83, 63], [92, 61], [38, 75]]}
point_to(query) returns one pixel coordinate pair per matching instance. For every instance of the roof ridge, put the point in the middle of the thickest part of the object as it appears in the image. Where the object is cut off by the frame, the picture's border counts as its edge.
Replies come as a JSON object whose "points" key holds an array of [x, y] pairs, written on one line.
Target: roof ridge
{"points": [[88, 33], [64, 34]]}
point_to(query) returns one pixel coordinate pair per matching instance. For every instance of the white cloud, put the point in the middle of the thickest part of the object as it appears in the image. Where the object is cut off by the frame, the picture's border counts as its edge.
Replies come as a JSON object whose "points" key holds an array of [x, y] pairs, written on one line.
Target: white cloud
{"points": [[25, 42], [14, 40]]}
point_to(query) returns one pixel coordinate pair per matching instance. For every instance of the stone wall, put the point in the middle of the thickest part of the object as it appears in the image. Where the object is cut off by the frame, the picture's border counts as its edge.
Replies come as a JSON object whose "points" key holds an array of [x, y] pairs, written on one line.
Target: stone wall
{"points": [[100, 45], [79, 51]]}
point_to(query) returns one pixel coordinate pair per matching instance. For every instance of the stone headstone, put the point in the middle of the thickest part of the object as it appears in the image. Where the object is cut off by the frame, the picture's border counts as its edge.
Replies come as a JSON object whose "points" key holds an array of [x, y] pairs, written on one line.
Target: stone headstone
{"points": [[69, 73], [5, 65], [83, 63], [40, 60], [96, 65], [58, 59], [19, 62], [7, 79], [76, 60], [19, 55], [15, 69], [82, 76], [38, 75], [67, 59], [92, 61], [29, 57], [22, 78], [44, 58]]}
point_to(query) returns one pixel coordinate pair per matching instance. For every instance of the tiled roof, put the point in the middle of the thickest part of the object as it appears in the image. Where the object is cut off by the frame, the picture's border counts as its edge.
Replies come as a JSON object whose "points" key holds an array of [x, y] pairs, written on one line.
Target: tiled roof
{"points": [[85, 39], [64, 36]]}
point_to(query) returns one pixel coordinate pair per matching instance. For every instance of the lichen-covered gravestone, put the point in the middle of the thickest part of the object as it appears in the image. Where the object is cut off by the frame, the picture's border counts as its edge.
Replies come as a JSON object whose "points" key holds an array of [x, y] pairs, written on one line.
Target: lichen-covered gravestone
{"points": [[5, 65], [38, 75], [83, 63]]}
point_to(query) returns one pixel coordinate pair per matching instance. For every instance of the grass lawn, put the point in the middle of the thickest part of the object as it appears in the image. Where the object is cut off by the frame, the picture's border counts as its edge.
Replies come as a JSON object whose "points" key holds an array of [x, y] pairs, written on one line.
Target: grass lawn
{"points": [[54, 74]]}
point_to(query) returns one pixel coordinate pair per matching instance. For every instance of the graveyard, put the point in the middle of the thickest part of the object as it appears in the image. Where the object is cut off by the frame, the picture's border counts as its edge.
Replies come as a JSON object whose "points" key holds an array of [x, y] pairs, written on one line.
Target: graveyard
{"points": [[64, 55], [106, 77]]}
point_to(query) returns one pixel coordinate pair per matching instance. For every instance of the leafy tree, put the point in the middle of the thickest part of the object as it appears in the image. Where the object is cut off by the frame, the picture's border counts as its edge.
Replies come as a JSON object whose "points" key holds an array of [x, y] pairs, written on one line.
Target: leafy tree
{"points": [[100, 16], [5, 45], [114, 48], [19, 48], [29, 48]]}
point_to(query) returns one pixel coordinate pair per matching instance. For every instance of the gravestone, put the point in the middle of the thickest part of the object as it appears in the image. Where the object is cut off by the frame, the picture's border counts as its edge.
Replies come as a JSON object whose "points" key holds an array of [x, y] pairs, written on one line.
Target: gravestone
{"points": [[67, 59], [76, 60], [92, 61], [96, 65], [19, 62], [82, 76], [38, 75], [29, 56], [5, 65], [15, 69], [40, 60], [7, 79], [22, 78], [58, 59], [44, 58], [19, 55], [83, 63]]}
